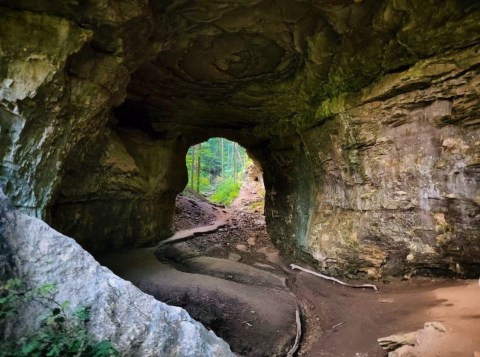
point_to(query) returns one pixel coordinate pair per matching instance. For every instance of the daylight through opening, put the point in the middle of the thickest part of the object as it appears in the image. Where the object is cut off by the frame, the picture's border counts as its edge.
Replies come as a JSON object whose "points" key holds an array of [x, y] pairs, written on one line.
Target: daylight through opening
{"points": [[217, 170]]}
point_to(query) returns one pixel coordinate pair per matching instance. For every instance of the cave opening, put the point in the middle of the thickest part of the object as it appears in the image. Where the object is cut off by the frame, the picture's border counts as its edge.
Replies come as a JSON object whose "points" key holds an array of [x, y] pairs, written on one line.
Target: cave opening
{"points": [[216, 169], [220, 265], [225, 188]]}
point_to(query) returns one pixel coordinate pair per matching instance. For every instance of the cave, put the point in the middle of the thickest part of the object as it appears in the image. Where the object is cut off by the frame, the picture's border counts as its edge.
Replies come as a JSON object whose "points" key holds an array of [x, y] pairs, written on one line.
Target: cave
{"points": [[363, 114]]}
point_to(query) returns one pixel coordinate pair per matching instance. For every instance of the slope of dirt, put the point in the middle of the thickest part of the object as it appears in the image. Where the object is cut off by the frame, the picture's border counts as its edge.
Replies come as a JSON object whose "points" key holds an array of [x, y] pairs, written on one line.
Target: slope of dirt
{"points": [[244, 238], [458, 334], [340, 321], [193, 211]]}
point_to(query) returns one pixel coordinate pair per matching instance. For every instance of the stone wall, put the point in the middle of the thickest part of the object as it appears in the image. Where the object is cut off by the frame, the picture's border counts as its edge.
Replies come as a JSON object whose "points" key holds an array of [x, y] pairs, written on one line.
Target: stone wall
{"points": [[398, 174], [121, 192], [62, 69]]}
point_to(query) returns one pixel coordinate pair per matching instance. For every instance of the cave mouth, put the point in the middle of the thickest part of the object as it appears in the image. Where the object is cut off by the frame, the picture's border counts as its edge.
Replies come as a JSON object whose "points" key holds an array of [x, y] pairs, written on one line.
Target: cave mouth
{"points": [[122, 193], [225, 187], [218, 168], [220, 264]]}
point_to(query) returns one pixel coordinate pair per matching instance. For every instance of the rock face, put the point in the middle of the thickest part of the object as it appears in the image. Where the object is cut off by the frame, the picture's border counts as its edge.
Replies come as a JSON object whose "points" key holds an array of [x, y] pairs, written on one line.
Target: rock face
{"points": [[132, 178], [363, 115], [400, 174], [136, 323]]}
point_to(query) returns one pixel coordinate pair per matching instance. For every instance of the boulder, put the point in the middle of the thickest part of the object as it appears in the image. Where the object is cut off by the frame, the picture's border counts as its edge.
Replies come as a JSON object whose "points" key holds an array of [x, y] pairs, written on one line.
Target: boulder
{"points": [[134, 322]]}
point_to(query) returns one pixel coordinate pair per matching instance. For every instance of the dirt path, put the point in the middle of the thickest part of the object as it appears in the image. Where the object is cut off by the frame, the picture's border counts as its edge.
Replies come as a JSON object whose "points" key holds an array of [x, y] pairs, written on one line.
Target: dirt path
{"points": [[230, 277], [212, 218], [345, 322], [224, 273]]}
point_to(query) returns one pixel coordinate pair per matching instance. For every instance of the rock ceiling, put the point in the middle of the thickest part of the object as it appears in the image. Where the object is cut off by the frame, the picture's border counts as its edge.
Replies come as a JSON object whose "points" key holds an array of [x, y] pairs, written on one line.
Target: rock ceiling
{"points": [[245, 63], [240, 63], [363, 114]]}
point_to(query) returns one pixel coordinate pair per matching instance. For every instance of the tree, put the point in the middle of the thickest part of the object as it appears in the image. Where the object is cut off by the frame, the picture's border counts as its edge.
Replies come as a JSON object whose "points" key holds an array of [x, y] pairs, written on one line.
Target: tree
{"points": [[234, 157], [199, 166], [192, 171], [212, 162], [223, 173]]}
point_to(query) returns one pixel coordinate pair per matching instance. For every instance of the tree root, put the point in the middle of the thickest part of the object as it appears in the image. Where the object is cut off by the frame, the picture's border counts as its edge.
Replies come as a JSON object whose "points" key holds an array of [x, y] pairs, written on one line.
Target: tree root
{"points": [[368, 286], [298, 336]]}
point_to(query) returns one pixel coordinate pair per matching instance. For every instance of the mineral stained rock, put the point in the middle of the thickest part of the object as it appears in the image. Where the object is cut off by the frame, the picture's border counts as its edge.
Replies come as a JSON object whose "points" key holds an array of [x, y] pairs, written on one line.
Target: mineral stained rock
{"points": [[363, 114], [135, 323]]}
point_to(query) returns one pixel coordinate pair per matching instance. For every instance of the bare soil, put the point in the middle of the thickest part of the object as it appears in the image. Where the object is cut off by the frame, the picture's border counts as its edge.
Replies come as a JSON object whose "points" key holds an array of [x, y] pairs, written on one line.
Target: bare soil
{"points": [[345, 322], [235, 282], [193, 211]]}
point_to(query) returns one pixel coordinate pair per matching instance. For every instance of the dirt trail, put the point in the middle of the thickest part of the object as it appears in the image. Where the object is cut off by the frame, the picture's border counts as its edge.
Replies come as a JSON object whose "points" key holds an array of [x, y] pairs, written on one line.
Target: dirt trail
{"points": [[223, 272], [345, 322], [219, 219], [230, 277]]}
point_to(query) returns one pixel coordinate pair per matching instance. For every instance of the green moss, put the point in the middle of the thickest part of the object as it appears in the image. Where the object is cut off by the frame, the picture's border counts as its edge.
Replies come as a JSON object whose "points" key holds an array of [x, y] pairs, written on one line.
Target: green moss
{"points": [[331, 106]]}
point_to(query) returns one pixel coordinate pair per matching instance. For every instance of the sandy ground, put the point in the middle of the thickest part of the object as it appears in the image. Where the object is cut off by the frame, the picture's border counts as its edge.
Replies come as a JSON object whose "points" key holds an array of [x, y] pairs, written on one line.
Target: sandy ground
{"points": [[213, 274], [457, 309], [340, 321]]}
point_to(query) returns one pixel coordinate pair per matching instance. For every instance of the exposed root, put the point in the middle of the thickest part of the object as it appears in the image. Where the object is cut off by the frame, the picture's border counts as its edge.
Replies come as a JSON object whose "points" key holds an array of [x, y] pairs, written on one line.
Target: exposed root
{"points": [[298, 336], [188, 234], [368, 286]]}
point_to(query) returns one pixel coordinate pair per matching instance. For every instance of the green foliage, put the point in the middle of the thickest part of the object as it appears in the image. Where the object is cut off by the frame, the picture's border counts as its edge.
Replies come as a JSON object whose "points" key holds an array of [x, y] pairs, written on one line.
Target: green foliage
{"points": [[220, 159], [10, 294], [226, 192], [59, 334], [205, 184]]}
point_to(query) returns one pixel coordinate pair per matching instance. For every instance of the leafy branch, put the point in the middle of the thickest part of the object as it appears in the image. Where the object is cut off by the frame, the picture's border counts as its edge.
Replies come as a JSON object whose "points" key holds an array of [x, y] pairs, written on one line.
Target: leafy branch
{"points": [[59, 334]]}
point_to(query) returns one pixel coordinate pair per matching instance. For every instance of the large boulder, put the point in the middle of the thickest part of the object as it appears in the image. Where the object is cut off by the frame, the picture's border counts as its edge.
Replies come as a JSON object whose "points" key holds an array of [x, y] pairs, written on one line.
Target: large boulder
{"points": [[135, 323]]}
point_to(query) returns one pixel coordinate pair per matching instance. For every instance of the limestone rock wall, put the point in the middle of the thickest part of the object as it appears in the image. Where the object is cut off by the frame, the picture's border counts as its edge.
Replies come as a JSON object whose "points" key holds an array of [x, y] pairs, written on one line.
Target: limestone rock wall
{"points": [[122, 191], [34, 50], [61, 70], [398, 176], [289, 184]]}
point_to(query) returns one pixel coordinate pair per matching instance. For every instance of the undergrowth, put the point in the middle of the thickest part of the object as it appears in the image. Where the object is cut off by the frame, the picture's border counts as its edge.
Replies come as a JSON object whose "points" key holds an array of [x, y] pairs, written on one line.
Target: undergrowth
{"points": [[226, 192], [59, 334]]}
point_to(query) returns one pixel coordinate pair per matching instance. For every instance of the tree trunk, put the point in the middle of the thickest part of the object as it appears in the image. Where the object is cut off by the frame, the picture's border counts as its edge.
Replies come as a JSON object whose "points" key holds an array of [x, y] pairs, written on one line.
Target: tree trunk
{"points": [[199, 166], [240, 158], [192, 174], [222, 173], [234, 149]]}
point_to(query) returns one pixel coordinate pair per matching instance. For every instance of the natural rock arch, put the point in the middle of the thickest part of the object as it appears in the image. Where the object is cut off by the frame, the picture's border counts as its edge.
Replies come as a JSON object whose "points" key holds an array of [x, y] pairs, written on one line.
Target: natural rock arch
{"points": [[364, 115]]}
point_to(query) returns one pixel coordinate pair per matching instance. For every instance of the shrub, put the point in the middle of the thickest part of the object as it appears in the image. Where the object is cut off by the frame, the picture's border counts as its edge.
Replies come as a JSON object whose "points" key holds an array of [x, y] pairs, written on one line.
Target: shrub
{"points": [[59, 334], [226, 192]]}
